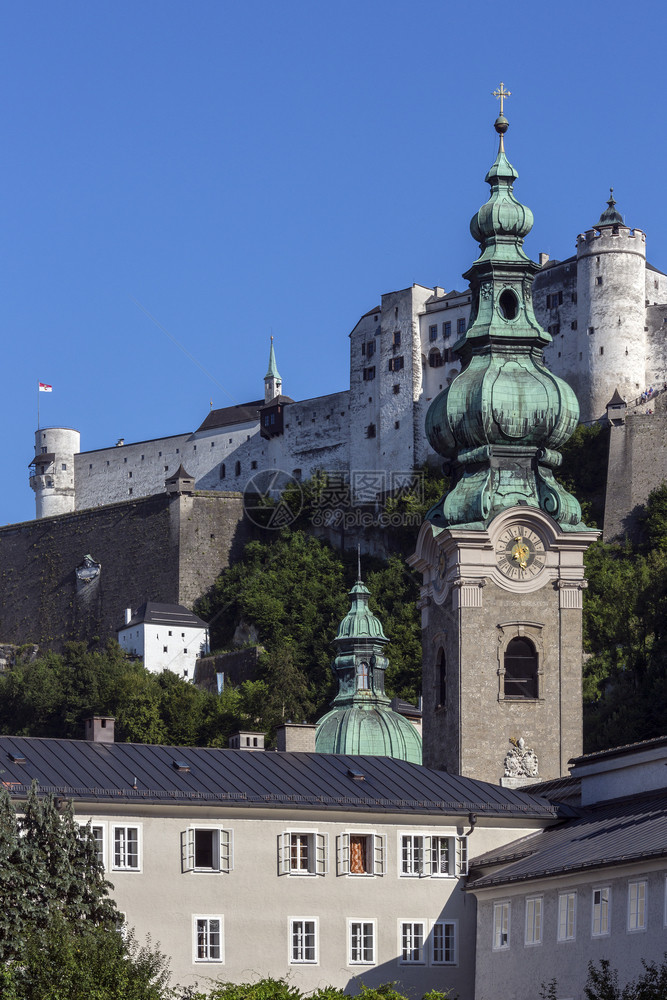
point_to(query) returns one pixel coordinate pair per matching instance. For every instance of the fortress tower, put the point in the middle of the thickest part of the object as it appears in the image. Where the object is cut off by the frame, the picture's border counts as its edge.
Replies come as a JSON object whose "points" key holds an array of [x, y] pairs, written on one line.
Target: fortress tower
{"points": [[502, 553], [52, 475], [610, 328]]}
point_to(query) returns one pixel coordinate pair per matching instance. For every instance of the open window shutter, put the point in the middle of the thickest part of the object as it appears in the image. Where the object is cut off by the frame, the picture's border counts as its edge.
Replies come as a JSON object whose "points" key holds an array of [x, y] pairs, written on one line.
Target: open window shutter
{"points": [[283, 853], [452, 859], [226, 850], [188, 850], [343, 853], [425, 867], [379, 854], [461, 855], [321, 853]]}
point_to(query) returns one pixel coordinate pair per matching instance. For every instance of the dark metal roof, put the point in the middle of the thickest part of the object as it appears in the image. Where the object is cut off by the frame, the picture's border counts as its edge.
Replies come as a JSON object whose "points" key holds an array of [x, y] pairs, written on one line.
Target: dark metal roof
{"points": [[241, 413], [176, 615], [179, 474], [629, 830], [655, 742], [86, 771], [45, 459]]}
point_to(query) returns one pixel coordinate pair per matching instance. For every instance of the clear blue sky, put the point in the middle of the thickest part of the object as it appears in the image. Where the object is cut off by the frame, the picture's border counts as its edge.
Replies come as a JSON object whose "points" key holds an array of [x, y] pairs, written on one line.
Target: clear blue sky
{"points": [[247, 166]]}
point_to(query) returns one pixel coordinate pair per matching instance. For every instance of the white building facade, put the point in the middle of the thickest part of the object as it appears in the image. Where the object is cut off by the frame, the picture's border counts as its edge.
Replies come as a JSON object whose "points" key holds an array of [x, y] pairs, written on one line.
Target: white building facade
{"points": [[165, 637]]}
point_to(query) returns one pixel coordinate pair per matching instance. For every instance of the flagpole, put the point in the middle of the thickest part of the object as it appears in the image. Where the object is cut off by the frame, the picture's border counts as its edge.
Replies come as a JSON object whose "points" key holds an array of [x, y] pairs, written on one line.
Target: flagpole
{"points": [[38, 406]]}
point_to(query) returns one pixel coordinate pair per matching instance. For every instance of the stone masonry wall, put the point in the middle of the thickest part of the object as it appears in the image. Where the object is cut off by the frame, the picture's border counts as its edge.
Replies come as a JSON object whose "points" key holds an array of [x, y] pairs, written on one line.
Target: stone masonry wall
{"points": [[637, 465], [158, 548]]}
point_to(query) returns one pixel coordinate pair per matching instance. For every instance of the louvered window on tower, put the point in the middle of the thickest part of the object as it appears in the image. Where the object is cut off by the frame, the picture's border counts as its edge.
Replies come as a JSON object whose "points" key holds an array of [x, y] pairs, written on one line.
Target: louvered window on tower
{"points": [[520, 669]]}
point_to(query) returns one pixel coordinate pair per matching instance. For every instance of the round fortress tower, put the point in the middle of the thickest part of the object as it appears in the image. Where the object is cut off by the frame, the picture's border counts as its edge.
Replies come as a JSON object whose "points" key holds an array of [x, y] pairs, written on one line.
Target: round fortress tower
{"points": [[52, 476], [611, 308]]}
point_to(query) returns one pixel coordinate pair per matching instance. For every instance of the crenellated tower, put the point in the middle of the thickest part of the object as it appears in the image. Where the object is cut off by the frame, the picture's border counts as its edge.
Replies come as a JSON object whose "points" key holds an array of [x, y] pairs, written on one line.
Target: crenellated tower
{"points": [[502, 552]]}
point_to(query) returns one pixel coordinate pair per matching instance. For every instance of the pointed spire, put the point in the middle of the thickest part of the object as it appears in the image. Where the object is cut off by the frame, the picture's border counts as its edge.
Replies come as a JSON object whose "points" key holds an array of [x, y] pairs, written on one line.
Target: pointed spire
{"points": [[359, 563], [610, 217], [273, 368]]}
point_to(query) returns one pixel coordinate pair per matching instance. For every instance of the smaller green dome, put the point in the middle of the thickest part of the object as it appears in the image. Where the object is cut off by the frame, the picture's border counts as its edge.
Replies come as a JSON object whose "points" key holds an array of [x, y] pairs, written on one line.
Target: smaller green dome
{"points": [[373, 731], [360, 622], [610, 217]]}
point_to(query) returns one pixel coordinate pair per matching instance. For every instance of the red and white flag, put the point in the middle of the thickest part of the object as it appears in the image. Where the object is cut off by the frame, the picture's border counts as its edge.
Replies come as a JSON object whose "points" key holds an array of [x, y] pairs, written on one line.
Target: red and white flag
{"points": [[43, 387]]}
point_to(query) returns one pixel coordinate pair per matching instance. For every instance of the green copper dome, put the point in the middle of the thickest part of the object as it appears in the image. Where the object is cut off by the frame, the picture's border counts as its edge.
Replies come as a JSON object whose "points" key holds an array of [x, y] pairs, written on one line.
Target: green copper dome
{"points": [[499, 424], [361, 720], [610, 217]]}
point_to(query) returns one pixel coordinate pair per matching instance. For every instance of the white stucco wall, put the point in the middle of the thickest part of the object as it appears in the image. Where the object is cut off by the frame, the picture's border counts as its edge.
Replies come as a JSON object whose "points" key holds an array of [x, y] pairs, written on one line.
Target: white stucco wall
{"points": [[166, 647]]}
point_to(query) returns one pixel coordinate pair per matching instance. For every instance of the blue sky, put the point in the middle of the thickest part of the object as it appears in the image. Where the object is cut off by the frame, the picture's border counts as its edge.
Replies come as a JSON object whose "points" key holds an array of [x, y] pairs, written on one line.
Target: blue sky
{"points": [[237, 168]]}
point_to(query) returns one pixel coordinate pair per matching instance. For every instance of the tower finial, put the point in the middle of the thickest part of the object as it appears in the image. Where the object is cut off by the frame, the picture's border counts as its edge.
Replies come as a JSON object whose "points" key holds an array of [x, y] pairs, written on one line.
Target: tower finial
{"points": [[501, 124], [359, 562]]}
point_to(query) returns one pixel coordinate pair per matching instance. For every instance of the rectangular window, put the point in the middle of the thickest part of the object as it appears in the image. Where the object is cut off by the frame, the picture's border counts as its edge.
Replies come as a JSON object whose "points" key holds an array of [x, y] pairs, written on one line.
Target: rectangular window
{"points": [[397, 389], [433, 332], [501, 926], [573, 325], [363, 350], [208, 939], [370, 348], [302, 853], [598, 280], [98, 834], [567, 916], [637, 906], [395, 364], [412, 854], [361, 854], [411, 942], [460, 326], [396, 339], [362, 942], [207, 849], [303, 941], [533, 920], [369, 374], [444, 943], [126, 848], [600, 925], [591, 330], [447, 329]]}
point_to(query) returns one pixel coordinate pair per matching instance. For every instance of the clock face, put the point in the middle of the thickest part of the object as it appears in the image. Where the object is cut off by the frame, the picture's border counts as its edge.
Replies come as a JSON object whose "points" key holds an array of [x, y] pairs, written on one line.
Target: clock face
{"points": [[520, 553]]}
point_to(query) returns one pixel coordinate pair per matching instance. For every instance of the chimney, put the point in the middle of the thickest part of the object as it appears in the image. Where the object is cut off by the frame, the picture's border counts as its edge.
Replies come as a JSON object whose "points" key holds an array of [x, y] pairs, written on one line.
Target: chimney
{"points": [[128, 615], [99, 729], [295, 736], [246, 741], [544, 257]]}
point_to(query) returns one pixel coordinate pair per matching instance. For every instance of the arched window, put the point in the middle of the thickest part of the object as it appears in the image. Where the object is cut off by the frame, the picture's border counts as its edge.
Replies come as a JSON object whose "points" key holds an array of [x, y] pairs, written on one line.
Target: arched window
{"points": [[363, 676], [223, 471], [520, 669], [441, 680]]}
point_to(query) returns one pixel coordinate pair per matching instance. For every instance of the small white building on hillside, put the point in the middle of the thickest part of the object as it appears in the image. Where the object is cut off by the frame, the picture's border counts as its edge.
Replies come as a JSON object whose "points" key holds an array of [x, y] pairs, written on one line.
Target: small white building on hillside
{"points": [[166, 637]]}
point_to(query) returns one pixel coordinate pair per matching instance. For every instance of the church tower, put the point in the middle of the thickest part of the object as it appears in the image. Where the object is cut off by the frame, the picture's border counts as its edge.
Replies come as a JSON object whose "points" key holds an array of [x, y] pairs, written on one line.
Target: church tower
{"points": [[502, 552], [272, 381]]}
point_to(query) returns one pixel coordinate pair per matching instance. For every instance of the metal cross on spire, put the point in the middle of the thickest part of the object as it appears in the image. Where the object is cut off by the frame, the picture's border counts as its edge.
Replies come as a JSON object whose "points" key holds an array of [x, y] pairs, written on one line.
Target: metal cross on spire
{"points": [[501, 94]]}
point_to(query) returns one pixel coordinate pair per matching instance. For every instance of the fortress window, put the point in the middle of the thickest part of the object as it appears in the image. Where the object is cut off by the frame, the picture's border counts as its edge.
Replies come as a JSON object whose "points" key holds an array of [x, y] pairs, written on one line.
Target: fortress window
{"points": [[396, 339], [447, 329], [449, 355], [44, 450], [559, 354], [597, 260], [178, 451], [520, 669], [370, 431], [223, 471], [370, 348], [580, 356], [369, 374], [297, 474], [460, 326], [237, 469], [395, 364], [129, 475], [64, 467], [90, 466], [574, 296], [598, 280], [397, 388], [435, 358], [602, 350], [433, 332], [573, 325], [363, 350], [107, 461], [166, 468], [129, 492], [194, 448], [397, 424], [591, 330], [253, 465], [395, 310], [164, 649], [125, 460], [554, 329], [212, 444]]}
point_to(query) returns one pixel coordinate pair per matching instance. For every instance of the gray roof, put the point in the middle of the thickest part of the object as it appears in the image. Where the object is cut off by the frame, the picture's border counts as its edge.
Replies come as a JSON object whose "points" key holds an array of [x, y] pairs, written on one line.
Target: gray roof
{"points": [[628, 830], [654, 743], [241, 413], [88, 771], [151, 613]]}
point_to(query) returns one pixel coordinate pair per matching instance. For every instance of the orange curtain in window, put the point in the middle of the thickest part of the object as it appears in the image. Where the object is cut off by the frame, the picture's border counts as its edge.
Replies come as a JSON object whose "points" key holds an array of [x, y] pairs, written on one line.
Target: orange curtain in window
{"points": [[358, 855]]}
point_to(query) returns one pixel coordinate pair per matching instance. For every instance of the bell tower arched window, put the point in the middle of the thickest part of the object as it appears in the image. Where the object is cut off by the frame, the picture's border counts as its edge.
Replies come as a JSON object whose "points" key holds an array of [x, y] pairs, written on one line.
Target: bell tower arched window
{"points": [[521, 664]]}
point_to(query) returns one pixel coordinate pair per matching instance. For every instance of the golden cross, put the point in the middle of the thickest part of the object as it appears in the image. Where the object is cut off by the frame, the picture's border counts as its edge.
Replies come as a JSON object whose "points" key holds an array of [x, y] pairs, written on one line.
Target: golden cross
{"points": [[502, 94]]}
